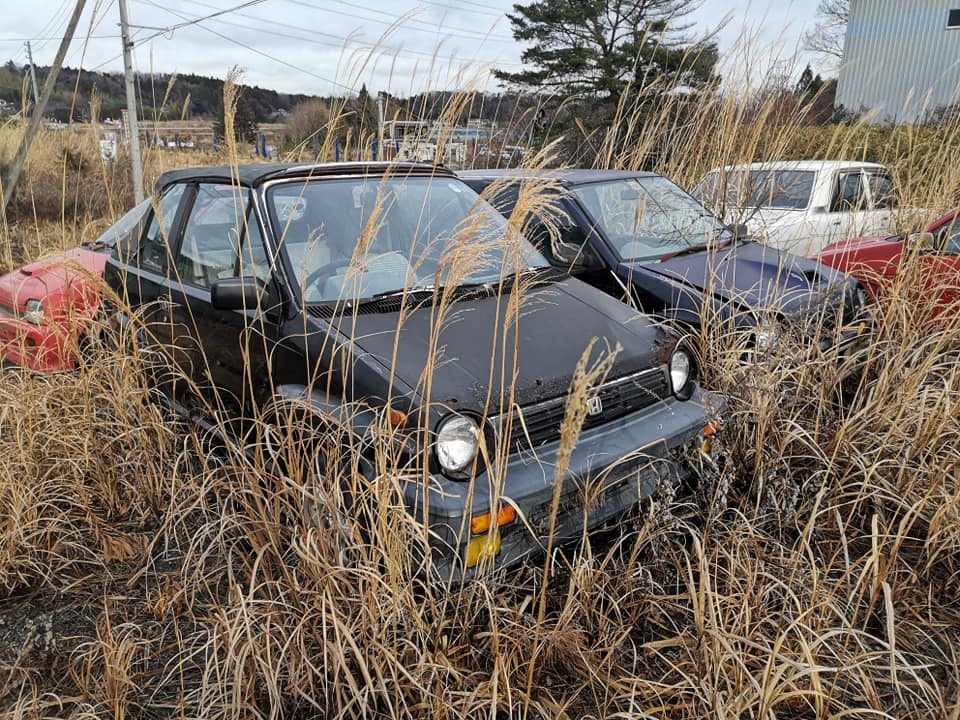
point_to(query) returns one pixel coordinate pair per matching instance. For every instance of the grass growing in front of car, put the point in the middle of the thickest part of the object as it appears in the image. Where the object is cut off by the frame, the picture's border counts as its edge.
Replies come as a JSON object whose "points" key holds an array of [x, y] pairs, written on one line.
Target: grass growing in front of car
{"points": [[146, 574]]}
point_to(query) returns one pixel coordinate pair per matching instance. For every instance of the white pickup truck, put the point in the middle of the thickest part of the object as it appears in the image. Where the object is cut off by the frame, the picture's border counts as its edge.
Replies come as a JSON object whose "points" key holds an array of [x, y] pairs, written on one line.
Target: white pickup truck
{"points": [[801, 206]]}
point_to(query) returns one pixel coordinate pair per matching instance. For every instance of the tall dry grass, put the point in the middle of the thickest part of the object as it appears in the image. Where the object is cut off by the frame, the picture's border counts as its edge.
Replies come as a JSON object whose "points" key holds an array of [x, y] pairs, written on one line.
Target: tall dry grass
{"points": [[149, 569]]}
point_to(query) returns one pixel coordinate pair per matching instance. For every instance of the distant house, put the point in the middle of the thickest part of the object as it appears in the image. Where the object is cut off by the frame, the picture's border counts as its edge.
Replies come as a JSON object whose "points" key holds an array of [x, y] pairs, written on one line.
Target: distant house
{"points": [[901, 58]]}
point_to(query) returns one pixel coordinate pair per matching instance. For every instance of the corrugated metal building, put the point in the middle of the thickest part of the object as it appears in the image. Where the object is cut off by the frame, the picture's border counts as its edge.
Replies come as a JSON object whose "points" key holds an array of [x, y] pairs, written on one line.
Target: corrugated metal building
{"points": [[901, 57]]}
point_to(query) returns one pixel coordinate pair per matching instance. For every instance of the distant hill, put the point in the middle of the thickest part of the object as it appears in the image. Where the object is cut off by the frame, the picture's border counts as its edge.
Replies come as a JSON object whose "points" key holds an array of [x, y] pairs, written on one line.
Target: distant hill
{"points": [[205, 93]]}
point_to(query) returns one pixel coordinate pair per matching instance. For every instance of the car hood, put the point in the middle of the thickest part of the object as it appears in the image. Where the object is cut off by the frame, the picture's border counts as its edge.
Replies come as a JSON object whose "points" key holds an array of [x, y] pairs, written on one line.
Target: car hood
{"points": [[46, 277], [752, 276], [868, 254], [856, 246], [481, 351]]}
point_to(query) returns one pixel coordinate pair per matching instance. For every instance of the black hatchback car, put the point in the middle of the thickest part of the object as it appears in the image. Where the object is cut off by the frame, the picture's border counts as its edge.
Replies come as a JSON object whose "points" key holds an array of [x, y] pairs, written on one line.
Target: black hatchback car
{"points": [[323, 285], [641, 238]]}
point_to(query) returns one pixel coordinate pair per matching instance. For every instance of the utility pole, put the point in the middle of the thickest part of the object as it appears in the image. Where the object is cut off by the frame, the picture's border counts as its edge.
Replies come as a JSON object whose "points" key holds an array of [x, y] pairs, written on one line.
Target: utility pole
{"points": [[18, 160], [133, 125], [380, 148], [33, 75]]}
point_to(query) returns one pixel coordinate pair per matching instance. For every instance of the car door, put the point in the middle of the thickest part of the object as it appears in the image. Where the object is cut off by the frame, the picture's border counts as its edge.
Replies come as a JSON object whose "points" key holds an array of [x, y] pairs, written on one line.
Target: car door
{"points": [[147, 287], [221, 239]]}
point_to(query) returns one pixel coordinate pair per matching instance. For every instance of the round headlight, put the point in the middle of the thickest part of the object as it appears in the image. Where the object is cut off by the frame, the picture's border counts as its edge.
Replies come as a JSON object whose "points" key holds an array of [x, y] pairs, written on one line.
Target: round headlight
{"points": [[767, 336], [33, 312], [681, 373], [458, 438]]}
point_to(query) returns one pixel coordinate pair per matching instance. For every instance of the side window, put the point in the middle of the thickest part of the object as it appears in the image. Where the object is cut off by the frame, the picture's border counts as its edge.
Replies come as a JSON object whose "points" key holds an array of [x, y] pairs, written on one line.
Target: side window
{"points": [[154, 248], [849, 194], [556, 236], [506, 199], [881, 191], [210, 248]]}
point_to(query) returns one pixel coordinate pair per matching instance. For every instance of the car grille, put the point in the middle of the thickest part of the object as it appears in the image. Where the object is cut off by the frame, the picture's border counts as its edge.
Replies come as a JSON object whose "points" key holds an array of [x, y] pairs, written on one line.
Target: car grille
{"points": [[536, 425]]}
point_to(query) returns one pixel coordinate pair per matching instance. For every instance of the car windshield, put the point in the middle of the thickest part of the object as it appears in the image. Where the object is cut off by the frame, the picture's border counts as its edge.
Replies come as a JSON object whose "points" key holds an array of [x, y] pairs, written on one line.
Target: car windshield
{"points": [[649, 217], [354, 238], [779, 189]]}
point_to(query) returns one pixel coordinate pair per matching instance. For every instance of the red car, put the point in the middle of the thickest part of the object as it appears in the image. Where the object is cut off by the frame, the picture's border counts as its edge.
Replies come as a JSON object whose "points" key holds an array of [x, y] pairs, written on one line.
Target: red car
{"points": [[46, 307], [877, 261]]}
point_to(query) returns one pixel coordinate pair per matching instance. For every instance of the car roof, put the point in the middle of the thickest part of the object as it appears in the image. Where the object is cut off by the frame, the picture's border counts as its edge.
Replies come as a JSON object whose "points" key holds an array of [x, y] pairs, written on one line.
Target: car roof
{"points": [[573, 176], [254, 174], [801, 165]]}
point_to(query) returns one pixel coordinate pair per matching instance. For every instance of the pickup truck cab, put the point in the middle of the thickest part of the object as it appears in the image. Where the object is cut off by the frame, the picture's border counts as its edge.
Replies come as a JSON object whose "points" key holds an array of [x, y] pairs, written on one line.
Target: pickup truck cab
{"points": [[390, 304], [801, 206]]}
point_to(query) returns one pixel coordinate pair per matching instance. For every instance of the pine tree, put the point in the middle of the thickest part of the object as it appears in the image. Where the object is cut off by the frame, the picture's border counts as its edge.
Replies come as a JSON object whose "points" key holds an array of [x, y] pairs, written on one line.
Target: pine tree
{"points": [[598, 47]]}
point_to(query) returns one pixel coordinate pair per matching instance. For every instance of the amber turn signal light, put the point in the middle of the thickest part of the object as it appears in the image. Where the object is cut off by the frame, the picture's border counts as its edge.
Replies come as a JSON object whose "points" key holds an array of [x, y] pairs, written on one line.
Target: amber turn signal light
{"points": [[479, 524]]}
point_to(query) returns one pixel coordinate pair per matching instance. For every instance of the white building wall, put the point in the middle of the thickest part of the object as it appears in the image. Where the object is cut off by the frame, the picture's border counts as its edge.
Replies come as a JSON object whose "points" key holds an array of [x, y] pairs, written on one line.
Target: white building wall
{"points": [[900, 59]]}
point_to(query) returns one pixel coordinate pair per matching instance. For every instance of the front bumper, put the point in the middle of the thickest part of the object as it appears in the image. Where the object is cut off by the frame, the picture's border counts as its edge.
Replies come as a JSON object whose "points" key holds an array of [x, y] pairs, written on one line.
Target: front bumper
{"points": [[41, 348], [611, 468]]}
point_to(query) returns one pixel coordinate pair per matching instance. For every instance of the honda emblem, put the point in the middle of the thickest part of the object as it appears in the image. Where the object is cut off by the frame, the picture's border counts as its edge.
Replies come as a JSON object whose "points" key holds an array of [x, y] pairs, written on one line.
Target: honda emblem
{"points": [[594, 406]]}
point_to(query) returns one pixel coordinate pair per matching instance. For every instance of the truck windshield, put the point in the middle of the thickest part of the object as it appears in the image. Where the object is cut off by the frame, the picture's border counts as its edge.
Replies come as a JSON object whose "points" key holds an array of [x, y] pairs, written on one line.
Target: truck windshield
{"points": [[780, 189], [349, 239], [646, 218]]}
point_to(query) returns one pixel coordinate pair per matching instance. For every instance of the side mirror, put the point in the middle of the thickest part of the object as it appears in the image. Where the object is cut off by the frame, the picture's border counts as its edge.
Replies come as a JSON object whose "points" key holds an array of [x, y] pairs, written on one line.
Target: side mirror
{"points": [[924, 241], [239, 293]]}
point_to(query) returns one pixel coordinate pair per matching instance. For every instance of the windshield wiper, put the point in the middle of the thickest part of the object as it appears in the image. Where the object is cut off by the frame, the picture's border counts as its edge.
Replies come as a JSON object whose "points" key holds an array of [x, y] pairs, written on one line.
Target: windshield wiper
{"points": [[424, 292], [416, 291], [689, 250], [697, 248]]}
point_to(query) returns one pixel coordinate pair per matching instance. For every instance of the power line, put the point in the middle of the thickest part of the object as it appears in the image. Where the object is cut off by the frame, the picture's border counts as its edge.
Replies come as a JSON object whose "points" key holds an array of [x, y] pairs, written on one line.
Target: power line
{"points": [[165, 30], [432, 28], [95, 23], [340, 41], [187, 23], [52, 37], [480, 9], [252, 49], [49, 28]]}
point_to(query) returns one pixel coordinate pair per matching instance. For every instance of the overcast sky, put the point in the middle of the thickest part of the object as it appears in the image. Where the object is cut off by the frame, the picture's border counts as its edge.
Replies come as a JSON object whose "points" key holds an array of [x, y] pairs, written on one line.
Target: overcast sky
{"points": [[332, 46]]}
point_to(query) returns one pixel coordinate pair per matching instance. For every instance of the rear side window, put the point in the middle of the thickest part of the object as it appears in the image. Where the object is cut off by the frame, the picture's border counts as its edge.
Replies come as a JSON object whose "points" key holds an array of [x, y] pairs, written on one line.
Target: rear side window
{"points": [[154, 249], [881, 191], [849, 193], [554, 233], [547, 223]]}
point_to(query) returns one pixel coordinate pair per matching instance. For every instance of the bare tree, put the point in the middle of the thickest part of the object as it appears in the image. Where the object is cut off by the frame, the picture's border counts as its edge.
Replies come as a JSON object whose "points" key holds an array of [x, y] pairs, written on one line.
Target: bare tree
{"points": [[827, 37]]}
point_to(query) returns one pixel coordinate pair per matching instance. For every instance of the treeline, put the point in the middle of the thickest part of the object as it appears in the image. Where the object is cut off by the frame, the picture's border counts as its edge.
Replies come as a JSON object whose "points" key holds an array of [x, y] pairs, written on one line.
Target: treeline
{"points": [[188, 96]]}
